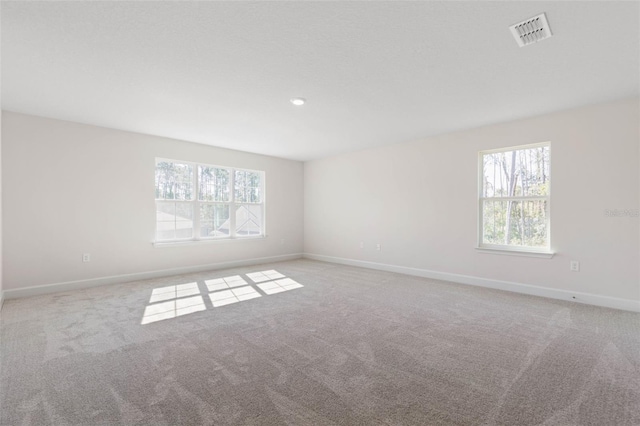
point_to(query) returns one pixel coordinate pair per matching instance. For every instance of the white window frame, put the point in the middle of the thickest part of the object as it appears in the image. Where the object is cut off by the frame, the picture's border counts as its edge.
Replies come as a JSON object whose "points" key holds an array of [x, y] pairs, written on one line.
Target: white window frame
{"points": [[513, 249], [196, 204]]}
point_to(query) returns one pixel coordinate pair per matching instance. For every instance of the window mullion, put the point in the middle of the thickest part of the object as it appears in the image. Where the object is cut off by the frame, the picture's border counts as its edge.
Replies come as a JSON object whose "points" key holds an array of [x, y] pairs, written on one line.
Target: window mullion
{"points": [[195, 204], [232, 204], [527, 198]]}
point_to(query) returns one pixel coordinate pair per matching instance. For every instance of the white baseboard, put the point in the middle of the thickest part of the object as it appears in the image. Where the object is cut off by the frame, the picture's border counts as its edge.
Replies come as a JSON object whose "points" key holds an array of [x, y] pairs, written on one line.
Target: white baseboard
{"points": [[95, 282], [586, 298]]}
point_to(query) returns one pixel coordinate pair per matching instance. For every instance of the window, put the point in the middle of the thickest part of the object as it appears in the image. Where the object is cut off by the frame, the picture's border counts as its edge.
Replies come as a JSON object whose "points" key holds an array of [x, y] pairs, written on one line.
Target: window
{"points": [[203, 202], [514, 198]]}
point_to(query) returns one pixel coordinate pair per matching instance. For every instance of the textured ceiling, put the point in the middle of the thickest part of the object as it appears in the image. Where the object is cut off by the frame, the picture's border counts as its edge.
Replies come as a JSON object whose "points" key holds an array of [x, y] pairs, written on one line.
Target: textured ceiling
{"points": [[374, 73]]}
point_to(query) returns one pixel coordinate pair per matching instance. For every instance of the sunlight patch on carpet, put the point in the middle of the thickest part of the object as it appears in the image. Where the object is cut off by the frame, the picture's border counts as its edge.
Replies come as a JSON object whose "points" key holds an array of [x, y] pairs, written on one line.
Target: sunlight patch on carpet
{"points": [[182, 299], [172, 309]]}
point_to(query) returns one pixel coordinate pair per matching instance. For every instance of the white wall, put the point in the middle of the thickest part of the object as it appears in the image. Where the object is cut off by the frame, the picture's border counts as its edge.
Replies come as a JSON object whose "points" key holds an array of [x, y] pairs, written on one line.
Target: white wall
{"points": [[71, 189], [1, 258], [419, 200], [1, 254]]}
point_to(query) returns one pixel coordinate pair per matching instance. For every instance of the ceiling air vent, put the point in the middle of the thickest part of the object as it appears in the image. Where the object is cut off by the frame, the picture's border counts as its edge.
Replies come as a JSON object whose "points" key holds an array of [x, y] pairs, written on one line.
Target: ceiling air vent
{"points": [[531, 31]]}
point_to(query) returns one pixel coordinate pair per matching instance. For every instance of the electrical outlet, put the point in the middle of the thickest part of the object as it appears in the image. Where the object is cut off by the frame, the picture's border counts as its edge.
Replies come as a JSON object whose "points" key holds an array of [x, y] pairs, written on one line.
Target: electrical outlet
{"points": [[574, 265], [378, 247], [86, 257], [361, 245]]}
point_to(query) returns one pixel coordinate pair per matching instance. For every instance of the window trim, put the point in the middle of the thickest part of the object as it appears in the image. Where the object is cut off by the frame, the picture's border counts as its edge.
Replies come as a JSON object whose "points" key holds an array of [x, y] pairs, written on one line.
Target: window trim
{"points": [[482, 247], [196, 238]]}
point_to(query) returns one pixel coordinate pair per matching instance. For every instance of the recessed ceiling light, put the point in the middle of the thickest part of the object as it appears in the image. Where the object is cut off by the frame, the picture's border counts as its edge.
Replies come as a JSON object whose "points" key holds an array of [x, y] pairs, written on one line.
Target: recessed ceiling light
{"points": [[298, 101]]}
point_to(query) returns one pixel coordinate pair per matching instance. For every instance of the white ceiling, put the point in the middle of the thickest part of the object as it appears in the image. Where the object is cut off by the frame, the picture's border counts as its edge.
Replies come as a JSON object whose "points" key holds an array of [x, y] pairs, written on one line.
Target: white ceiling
{"points": [[374, 73]]}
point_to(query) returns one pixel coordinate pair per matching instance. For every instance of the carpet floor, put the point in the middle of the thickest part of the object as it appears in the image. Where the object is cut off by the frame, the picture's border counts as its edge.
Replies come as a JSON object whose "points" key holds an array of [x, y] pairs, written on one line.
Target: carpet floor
{"points": [[311, 343]]}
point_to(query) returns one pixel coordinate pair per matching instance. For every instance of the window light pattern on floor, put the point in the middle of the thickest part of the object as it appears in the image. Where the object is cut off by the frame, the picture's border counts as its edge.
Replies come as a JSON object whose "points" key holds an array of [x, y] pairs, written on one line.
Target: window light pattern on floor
{"points": [[182, 299], [235, 295], [173, 301], [270, 282], [174, 292], [225, 283], [258, 277], [278, 286]]}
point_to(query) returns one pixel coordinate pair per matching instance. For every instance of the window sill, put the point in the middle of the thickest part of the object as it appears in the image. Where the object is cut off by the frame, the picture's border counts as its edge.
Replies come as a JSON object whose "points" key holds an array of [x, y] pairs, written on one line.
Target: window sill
{"points": [[525, 253], [163, 244]]}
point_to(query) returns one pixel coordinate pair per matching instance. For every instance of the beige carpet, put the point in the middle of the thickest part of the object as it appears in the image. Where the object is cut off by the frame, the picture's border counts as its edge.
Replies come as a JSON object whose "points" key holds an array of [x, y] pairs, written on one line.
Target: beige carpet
{"points": [[306, 342]]}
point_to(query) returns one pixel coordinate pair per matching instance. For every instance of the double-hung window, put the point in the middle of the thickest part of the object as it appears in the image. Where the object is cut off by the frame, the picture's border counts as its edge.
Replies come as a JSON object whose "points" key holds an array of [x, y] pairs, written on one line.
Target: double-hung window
{"points": [[204, 202], [514, 198]]}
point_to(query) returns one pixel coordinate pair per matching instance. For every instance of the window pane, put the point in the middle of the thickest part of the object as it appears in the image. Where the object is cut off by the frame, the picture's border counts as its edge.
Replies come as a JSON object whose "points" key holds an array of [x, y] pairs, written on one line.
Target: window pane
{"points": [[496, 166], [533, 224], [517, 173], [213, 184], [248, 186], [248, 220], [493, 222], [174, 220], [174, 181], [184, 220], [214, 220], [165, 221], [515, 223]]}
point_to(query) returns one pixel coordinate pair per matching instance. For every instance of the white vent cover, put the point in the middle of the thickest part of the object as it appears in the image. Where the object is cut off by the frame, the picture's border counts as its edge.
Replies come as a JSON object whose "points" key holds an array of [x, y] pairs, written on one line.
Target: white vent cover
{"points": [[531, 31]]}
